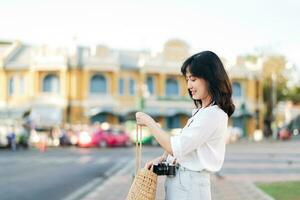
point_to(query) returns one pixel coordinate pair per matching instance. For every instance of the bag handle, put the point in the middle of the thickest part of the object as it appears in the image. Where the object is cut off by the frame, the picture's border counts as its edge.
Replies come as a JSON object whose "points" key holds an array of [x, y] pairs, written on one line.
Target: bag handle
{"points": [[138, 148]]}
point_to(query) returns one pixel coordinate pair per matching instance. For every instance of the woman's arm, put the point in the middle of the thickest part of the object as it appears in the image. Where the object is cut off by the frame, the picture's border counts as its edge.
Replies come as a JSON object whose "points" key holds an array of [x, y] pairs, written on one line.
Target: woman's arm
{"points": [[161, 136]]}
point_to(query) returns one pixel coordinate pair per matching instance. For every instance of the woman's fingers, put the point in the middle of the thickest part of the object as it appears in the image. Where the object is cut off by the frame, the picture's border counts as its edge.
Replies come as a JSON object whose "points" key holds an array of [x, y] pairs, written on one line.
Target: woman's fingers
{"points": [[148, 165], [143, 118], [151, 168], [139, 118]]}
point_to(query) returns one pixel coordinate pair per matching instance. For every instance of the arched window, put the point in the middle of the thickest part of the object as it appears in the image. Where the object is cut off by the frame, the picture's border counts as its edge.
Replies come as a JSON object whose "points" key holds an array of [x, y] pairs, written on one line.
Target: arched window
{"points": [[101, 117], [98, 84], [22, 85], [11, 85], [131, 87], [172, 88], [150, 84], [121, 86], [173, 122], [236, 89], [51, 83]]}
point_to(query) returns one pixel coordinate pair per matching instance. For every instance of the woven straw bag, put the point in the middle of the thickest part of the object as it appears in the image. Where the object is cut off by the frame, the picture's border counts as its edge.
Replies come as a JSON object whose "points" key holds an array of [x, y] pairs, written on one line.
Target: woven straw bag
{"points": [[145, 181]]}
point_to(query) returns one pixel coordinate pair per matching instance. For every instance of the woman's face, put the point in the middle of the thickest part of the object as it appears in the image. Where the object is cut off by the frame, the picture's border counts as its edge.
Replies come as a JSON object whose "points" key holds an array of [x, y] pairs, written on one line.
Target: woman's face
{"points": [[197, 87]]}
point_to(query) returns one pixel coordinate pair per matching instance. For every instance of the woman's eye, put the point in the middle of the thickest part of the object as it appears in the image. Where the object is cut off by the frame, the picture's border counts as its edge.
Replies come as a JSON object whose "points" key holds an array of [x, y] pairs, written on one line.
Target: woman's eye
{"points": [[193, 80]]}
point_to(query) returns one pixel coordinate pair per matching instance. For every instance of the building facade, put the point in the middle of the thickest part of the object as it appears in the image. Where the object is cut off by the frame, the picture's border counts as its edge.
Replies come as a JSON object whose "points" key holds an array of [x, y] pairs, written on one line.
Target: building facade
{"points": [[247, 96], [85, 85]]}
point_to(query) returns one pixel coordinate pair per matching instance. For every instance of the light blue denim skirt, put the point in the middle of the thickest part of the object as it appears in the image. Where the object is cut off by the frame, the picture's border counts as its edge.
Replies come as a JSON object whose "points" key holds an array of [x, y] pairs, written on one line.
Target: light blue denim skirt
{"points": [[188, 185]]}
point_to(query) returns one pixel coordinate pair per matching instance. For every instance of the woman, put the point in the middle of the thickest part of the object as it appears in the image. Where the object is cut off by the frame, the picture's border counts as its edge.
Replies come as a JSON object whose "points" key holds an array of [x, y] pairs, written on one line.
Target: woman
{"points": [[200, 147]]}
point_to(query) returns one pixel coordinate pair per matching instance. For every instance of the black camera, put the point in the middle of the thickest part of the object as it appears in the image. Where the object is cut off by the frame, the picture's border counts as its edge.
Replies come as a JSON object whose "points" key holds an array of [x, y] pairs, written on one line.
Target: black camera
{"points": [[164, 169]]}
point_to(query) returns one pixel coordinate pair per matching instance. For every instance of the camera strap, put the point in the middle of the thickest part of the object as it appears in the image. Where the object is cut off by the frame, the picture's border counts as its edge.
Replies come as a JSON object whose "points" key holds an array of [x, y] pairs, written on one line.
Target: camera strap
{"points": [[212, 103], [193, 118]]}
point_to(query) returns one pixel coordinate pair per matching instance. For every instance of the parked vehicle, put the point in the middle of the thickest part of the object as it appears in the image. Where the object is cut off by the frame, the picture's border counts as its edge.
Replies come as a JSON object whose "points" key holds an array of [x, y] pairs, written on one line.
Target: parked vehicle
{"points": [[149, 140], [3, 137], [64, 138], [112, 137], [104, 138], [23, 139], [12, 140], [284, 134], [13, 137], [69, 137], [85, 139]]}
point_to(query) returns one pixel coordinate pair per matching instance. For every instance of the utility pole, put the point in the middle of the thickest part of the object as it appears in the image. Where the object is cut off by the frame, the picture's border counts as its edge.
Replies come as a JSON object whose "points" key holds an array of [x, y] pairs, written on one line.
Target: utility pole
{"points": [[274, 102]]}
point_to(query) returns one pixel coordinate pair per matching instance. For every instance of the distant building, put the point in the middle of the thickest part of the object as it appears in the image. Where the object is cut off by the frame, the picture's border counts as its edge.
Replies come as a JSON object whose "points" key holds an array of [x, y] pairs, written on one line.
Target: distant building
{"points": [[247, 87], [83, 85]]}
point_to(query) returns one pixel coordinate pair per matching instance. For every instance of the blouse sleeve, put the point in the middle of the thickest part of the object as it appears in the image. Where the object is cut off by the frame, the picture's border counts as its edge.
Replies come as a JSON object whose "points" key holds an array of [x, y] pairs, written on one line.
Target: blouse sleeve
{"points": [[193, 137]]}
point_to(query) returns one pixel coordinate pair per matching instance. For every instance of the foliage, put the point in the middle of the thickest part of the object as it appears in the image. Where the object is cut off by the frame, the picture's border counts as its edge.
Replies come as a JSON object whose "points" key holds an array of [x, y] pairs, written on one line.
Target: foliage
{"points": [[293, 94], [289, 190]]}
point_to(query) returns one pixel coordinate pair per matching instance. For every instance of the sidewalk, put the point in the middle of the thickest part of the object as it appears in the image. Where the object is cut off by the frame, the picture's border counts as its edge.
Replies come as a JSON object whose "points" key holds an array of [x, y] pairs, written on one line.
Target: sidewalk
{"points": [[245, 163], [116, 188]]}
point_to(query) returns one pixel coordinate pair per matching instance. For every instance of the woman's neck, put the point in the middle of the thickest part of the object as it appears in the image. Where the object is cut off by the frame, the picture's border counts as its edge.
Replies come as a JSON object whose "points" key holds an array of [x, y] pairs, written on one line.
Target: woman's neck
{"points": [[206, 101]]}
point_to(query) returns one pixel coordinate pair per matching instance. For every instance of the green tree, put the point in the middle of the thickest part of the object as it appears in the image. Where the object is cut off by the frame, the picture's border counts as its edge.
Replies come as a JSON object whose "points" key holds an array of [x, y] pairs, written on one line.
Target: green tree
{"points": [[293, 94], [274, 87]]}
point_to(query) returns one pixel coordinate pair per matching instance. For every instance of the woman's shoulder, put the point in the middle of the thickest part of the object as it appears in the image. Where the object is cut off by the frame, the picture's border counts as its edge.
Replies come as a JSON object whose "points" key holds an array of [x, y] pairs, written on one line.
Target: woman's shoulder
{"points": [[214, 112]]}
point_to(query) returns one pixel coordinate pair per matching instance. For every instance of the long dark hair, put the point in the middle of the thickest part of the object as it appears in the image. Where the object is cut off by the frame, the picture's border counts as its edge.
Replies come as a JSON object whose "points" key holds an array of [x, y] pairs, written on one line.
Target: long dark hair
{"points": [[208, 66]]}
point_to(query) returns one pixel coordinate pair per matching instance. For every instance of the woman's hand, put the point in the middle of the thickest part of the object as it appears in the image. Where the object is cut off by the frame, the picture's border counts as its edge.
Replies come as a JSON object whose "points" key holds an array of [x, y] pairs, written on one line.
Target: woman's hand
{"points": [[155, 161], [143, 119], [160, 135]]}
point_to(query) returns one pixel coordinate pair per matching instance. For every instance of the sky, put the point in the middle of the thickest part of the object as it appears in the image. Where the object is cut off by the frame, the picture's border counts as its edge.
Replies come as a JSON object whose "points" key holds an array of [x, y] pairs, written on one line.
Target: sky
{"points": [[229, 28]]}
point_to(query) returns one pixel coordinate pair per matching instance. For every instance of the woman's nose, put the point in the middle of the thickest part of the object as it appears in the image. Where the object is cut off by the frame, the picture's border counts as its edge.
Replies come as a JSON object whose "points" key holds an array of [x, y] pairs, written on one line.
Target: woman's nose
{"points": [[189, 85]]}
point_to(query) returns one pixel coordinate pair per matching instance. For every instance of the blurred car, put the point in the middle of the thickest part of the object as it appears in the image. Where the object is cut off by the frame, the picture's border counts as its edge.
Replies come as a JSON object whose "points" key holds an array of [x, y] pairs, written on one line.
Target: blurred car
{"points": [[104, 138], [284, 134], [64, 139], [233, 134], [3, 137], [13, 137], [112, 137], [149, 139], [295, 131], [85, 139], [23, 139], [68, 137]]}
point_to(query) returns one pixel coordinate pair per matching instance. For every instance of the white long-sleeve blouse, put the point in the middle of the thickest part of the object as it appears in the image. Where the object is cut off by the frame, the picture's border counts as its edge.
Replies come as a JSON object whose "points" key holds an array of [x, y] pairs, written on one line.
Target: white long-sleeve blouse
{"points": [[201, 143]]}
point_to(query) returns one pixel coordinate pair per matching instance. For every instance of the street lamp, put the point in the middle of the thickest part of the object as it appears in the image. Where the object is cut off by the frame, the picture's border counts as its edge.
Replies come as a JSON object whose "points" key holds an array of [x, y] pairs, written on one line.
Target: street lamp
{"points": [[244, 116], [274, 99]]}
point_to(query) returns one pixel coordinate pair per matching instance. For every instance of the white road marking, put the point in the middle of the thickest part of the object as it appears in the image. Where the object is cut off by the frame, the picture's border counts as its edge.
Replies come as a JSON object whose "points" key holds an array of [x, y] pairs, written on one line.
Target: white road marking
{"points": [[84, 190]]}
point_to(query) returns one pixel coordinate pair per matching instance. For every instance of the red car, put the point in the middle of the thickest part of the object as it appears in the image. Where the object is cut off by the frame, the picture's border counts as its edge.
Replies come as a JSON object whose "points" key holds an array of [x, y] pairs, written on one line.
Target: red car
{"points": [[284, 134], [104, 138]]}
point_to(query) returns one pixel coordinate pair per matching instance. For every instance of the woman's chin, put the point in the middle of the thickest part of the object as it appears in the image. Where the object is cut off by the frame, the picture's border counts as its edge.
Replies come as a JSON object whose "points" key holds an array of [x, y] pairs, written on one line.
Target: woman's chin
{"points": [[195, 97]]}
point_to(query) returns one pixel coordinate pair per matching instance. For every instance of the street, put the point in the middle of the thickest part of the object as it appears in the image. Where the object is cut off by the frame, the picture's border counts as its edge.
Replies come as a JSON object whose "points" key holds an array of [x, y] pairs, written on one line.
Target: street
{"points": [[72, 173], [57, 173]]}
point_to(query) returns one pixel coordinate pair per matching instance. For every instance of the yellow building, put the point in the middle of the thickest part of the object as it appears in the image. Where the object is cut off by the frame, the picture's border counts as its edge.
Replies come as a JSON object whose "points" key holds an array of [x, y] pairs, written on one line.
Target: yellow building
{"points": [[84, 85], [247, 96]]}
